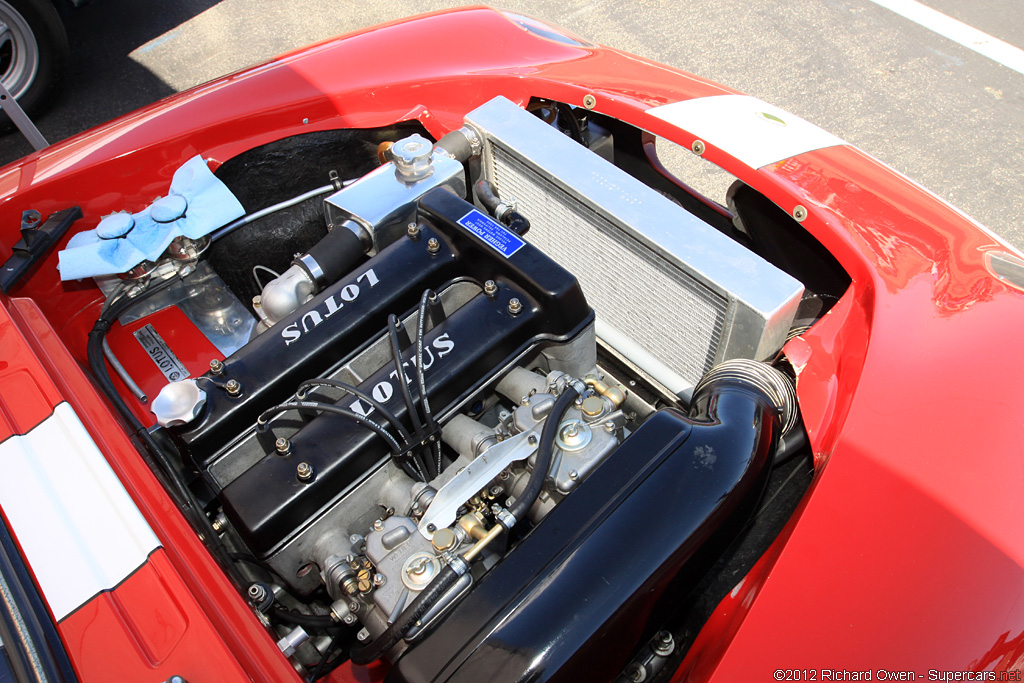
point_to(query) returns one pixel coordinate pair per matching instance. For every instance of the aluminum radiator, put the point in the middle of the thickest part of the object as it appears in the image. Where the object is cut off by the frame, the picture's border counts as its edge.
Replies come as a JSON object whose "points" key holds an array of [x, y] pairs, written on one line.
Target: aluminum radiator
{"points": [[672, 294]]}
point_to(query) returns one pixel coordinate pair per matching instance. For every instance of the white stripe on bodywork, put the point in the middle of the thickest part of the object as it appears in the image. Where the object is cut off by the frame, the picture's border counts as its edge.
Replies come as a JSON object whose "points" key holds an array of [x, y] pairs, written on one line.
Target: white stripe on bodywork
{"points": [[753, 131], [80, 531]]}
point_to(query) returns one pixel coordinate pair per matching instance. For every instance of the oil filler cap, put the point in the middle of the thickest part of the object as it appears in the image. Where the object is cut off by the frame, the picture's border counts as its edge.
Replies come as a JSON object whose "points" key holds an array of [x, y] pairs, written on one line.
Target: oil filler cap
{"points": [[178, 403]]}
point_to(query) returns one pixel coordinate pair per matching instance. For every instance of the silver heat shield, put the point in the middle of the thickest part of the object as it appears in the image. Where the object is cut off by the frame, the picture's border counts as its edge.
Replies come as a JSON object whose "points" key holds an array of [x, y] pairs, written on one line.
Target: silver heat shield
{"points": [[672, 294]]}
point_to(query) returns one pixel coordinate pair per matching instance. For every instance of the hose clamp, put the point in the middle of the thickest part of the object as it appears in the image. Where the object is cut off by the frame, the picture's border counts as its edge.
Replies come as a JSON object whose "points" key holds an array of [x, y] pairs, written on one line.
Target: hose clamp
{"points": [[459, 565]]}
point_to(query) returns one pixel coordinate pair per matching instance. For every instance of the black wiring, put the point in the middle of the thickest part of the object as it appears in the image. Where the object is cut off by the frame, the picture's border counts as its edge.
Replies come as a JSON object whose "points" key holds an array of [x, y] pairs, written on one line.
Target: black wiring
{"points": [[301, 392], [396, 355], [431, 425]]}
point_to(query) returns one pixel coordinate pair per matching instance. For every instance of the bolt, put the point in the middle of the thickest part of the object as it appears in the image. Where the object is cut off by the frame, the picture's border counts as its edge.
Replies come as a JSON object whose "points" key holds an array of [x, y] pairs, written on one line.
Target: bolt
{"points": [[663, 644], [176, 679], [379, 580], [490, 288], [219, 524], [571, 429], [305, 472], [799, 213], [532, 439], [636, 672], [349, 619], [283, 446], [234, 388], [216, 367], [378, 525], [515, 306], [609, 427], [574, 475], [697, 147], [257, 301], [257, 593], [413, 230], [433, 246], [431, 528], [589, 101]]}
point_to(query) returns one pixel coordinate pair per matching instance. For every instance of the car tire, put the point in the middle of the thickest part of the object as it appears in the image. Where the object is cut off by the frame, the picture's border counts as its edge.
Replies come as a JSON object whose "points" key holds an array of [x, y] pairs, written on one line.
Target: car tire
{"points": [[33, 53]]}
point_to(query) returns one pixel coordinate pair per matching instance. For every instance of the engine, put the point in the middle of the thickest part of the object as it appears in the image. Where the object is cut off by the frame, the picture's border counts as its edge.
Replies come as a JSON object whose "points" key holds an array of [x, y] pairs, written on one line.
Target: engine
{"points": [[491, 361]]}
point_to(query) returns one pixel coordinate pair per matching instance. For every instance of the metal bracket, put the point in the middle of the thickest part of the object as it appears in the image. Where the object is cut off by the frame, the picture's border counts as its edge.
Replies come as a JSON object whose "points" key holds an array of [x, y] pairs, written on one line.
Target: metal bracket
{"points": [[21, 120]]}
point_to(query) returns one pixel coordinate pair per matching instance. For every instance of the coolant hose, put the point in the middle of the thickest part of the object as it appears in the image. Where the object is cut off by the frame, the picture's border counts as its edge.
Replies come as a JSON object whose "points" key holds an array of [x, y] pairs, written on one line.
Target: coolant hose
{"points": [[372, 651], [545, 453]]}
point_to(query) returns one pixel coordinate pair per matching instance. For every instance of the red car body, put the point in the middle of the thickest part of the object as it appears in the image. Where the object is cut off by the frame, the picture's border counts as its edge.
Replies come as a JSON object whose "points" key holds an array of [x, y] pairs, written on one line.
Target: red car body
{"points": [[905, 554]]}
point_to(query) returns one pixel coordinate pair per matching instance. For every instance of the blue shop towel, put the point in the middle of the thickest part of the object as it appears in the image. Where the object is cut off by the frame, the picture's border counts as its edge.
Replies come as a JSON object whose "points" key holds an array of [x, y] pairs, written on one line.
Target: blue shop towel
{"points": [[196, 204]]}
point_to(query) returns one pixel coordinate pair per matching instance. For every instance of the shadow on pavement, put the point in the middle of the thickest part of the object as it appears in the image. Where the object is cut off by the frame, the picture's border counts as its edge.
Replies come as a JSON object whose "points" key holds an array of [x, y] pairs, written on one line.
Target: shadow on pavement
{"points": [[103, 82]]}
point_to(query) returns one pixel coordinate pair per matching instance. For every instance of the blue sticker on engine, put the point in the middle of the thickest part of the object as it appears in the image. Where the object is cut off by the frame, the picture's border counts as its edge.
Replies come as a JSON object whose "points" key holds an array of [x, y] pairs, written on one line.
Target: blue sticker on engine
{"points": [[500, 238]]}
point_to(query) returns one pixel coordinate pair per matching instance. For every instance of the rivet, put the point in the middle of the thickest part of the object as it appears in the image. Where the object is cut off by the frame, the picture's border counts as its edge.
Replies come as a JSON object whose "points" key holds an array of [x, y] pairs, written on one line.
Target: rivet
{"points": [[799, 213], [589, 101], [697, 147]]}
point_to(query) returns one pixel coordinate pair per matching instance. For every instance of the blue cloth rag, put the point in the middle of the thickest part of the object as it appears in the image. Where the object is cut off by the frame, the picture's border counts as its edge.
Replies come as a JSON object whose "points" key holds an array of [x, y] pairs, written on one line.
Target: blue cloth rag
{"points": [[196, 204]]}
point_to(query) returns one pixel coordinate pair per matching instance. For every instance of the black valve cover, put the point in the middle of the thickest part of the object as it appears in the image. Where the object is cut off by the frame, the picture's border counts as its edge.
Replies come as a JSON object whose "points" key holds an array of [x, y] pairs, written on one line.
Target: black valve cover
{"points": [[267, 503]]}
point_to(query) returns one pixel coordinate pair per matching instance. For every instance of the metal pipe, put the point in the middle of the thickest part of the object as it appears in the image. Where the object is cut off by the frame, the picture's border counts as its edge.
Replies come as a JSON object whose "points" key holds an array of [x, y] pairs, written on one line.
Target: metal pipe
{"points": [[123, 374], [245, 220]]}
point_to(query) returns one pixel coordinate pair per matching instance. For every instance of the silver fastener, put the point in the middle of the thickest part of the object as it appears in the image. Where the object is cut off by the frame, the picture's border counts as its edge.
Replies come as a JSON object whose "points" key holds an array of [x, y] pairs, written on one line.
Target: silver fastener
{"points": [[532, 439], [636, 672], [799, 213], [257, 301], [609, 426], [490, 288], [304, 471], [697, 147], [378, 525], [257, 592], [379, 580], [413, 230], [574, 475], [233, 387], [216, 367], [663, 644], [589, 101], [515, 306], [433, 246], [283, 446]]}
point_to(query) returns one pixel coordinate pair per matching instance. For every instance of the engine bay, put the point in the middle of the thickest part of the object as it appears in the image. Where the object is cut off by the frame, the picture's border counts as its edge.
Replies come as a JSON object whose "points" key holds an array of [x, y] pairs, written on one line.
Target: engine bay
{"points": [[454, 368]]}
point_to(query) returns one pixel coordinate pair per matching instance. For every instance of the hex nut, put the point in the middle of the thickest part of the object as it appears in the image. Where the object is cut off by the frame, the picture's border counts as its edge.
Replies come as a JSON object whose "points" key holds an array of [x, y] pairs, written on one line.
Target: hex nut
{"points": [[304, 471]]}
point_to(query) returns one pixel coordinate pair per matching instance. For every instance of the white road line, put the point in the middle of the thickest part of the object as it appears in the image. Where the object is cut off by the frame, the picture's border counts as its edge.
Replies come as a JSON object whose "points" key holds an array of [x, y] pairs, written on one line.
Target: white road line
{"points": [[959, 32]]}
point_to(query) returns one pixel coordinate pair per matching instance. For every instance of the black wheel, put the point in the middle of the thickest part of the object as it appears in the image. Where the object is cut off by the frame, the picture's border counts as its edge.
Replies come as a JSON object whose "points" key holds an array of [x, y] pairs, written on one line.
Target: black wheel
{"points": [[33, 53]]}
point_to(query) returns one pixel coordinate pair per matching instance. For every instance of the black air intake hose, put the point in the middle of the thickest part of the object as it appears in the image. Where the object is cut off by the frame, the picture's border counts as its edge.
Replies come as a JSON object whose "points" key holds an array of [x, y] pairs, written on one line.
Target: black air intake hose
{"points": [[680, 488]]}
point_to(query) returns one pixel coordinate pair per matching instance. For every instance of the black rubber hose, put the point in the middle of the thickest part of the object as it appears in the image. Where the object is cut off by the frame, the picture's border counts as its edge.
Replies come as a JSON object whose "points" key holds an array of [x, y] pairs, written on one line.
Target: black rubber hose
{"points": [[371, 652], [428, 417], [261, 421], [545, 453], [190, 507], [336, 254], [487, 196], [457, 144], [358, 393]]}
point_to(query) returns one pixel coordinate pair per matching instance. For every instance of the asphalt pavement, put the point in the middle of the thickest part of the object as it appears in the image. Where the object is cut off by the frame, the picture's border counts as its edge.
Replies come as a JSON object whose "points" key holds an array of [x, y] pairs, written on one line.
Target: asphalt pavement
{"points": [[935, 110]]}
